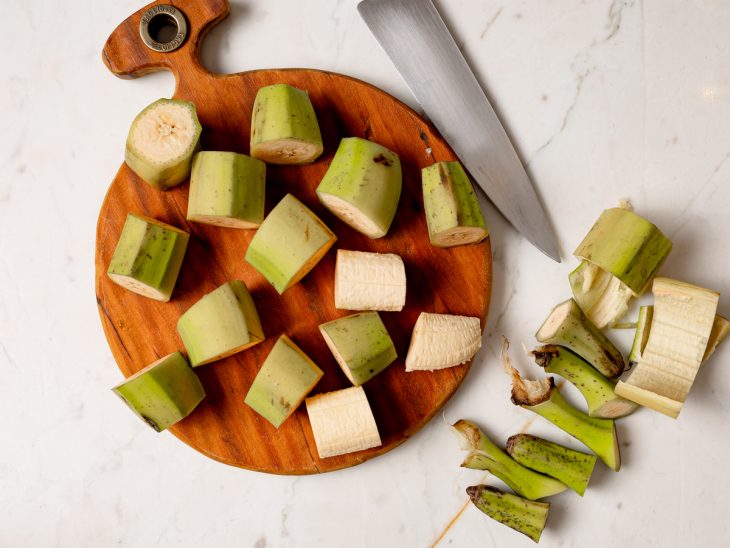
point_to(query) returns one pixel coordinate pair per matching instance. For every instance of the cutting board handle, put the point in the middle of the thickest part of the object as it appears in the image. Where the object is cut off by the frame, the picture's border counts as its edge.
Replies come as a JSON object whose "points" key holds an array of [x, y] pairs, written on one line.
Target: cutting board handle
{"points": [[127, 56]]}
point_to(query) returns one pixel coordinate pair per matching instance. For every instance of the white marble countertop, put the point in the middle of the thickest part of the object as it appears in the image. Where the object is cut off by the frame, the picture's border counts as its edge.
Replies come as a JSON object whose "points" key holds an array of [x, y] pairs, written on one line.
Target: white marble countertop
{"points": [[604, 100]]}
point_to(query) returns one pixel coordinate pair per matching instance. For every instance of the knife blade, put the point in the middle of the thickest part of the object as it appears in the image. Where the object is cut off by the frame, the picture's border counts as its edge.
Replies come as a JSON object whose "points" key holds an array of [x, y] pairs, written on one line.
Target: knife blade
{"points": [[416, 39]]}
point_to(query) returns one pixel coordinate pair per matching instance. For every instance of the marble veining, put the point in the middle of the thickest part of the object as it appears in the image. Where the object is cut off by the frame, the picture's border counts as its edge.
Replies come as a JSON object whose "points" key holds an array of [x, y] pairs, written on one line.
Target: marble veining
{"points": [[604, 100]]}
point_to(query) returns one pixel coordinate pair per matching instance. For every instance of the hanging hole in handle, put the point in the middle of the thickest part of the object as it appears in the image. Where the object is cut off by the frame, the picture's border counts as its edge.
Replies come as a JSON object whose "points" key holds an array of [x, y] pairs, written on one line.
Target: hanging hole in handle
{"points": [[163, 28]]}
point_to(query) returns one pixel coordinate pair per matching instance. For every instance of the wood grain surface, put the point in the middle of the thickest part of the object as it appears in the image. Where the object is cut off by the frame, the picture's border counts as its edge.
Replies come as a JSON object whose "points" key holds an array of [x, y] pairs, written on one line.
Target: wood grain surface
{"points": [[140, 330]]}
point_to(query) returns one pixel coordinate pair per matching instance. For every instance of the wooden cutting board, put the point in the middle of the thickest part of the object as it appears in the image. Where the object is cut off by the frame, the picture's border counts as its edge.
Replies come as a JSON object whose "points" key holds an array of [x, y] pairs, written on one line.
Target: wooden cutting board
{"points": [[140, 330]]}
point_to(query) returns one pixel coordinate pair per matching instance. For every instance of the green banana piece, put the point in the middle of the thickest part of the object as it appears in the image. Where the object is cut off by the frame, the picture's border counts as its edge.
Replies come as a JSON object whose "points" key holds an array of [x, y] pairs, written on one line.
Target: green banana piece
{"points": [[524, 516], [227, 189], [162, 141], [221, 323], [361, 345], [362, 186], [571, 467], [284, 380], [162, 393], [452, 211], [284, 128], [289, 243], [626, 245], [148, 257]]}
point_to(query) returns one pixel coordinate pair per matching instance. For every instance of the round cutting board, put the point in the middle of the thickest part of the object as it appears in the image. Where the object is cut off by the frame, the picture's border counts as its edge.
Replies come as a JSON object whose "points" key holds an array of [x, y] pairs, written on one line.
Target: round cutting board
{"points": [[140, 330]]}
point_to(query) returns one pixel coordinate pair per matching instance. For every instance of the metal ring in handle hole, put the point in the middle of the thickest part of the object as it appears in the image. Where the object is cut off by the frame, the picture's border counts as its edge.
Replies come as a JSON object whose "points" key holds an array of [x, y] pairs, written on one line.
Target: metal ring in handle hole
{"points": [[163, 28]]}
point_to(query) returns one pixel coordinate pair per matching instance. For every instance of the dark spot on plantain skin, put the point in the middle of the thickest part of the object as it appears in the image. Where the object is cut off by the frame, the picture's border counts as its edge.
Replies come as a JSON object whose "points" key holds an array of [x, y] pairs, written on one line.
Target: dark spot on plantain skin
{"points": [[612, 359], [443, 176], [381, 159], [152, 423]]}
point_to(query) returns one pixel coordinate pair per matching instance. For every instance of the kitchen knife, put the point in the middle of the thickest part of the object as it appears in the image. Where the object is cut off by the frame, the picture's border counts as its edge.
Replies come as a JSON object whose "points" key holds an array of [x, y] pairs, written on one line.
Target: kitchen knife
{"points": [[416, 39]]}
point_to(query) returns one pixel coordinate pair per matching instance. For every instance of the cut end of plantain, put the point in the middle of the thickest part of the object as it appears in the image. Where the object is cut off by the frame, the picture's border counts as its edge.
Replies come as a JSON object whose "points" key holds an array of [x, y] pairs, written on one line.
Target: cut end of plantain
{"points": [[616, 408], [223, 222], [139, 288], [287, 151], [162, 141], [351, 215], [459, 236], [284, 128], [558, 317], [647, 398], [568, 326]]}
